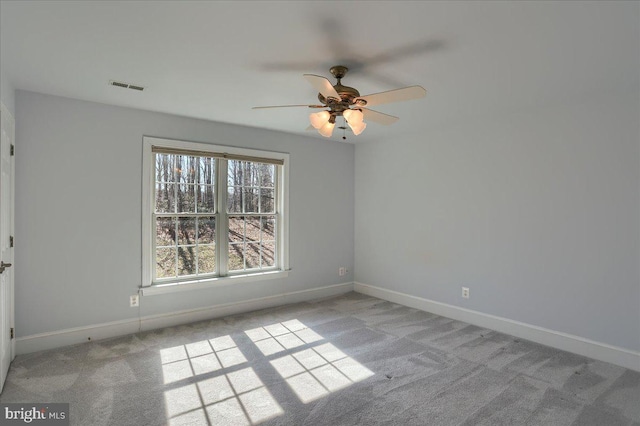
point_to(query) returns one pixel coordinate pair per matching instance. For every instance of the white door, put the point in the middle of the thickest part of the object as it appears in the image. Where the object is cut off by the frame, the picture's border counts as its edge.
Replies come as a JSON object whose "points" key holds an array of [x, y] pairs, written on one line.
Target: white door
{"points": [[6, 241]]}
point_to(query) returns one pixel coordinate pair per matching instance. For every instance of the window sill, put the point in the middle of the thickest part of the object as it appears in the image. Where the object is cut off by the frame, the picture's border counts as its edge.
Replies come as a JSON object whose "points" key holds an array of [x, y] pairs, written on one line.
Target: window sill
{"points": [[211, 283]]}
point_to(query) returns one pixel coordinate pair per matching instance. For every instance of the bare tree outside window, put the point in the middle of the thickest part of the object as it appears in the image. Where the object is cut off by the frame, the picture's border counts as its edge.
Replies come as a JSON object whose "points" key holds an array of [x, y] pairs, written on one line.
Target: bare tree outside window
{"points": [[185, 215], [185, 212], [251, 207]]}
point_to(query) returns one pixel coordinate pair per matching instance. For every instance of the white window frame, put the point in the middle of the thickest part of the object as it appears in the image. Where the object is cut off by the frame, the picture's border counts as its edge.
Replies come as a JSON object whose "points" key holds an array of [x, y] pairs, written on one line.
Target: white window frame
{"points": [[148, 204]]}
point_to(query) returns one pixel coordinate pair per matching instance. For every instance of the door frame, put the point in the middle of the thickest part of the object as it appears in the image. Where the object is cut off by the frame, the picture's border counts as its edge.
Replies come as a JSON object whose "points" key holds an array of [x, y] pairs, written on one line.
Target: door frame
{"points": [[7, 123]]}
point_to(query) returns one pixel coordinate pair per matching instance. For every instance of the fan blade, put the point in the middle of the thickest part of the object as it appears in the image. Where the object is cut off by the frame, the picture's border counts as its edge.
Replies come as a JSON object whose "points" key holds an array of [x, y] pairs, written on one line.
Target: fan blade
{"points": [[289, 106], [397, 53], [322, 85], [404, 94], [378, 117]]}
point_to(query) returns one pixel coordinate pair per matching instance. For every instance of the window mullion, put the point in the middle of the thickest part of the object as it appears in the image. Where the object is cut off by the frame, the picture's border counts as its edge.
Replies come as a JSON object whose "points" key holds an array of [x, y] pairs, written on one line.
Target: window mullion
{"points": [[278, 207], [244, 242], [154, 240], [196, 194], [175, 211], [222, 222], [261, 218], [197, 238]]}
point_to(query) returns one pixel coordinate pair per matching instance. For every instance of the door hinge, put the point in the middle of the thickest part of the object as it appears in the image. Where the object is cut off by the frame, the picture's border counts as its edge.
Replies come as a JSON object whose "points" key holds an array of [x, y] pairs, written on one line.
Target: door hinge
{"points": [[11, 241], [11, 333], [13, 149]]}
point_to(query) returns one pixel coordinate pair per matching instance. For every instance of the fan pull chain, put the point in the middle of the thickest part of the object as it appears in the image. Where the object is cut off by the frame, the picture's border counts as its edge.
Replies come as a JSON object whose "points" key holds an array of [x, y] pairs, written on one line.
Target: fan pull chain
{"points": [[344, 129]]}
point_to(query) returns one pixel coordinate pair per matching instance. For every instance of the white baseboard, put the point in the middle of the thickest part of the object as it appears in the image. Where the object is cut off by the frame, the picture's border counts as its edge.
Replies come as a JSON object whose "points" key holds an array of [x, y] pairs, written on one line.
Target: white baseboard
{"points": [[71, 336], [556, 339], [184, 317]]}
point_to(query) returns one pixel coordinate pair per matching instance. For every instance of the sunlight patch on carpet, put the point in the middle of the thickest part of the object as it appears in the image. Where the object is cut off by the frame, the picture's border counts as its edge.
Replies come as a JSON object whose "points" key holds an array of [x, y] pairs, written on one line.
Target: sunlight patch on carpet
{"points": [[313, 372], [235, 396]]}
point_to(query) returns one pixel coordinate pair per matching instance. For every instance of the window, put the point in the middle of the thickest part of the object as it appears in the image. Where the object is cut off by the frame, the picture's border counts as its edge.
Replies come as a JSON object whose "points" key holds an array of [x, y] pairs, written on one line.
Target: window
{"points": [[251, 209], [212, 212]]}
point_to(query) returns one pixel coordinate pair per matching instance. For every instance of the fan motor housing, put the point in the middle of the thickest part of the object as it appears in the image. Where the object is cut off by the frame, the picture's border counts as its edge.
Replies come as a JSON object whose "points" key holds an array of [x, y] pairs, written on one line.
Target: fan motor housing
{"points": [[348, 95]]}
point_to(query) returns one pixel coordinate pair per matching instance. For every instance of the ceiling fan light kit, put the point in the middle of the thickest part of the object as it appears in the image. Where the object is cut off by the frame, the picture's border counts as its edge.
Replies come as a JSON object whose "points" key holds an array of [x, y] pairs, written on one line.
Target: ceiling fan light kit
{"points": [[358, 128], [353, 116], [327, 129], [355, 120], [319, 119], [346, 101]]}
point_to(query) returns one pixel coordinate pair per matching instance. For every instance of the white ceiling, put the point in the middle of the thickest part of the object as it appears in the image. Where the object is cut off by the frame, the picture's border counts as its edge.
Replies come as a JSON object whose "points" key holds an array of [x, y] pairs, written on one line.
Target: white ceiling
{"points": [[215, 60]]}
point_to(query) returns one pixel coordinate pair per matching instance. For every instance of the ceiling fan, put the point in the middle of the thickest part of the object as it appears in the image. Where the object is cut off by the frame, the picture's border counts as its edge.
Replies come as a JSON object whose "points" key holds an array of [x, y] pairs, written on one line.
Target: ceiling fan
{"points": [[346, 101]]}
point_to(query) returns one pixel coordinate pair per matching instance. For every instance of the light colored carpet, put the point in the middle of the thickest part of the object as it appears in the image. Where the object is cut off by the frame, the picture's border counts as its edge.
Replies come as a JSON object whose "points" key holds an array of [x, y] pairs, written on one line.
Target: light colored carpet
{"points": [[347, 360]]}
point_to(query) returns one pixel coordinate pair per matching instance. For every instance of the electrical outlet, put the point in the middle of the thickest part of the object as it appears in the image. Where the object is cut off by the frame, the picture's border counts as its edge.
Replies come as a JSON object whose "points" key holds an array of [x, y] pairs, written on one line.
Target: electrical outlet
{"points": [[134, 301], [465, 292], [342, 271]]}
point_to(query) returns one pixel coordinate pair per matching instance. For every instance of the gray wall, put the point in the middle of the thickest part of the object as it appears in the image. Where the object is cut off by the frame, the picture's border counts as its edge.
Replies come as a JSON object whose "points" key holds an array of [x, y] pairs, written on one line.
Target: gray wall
{"points": [[7, 92], [78, 211], [537, 212]]}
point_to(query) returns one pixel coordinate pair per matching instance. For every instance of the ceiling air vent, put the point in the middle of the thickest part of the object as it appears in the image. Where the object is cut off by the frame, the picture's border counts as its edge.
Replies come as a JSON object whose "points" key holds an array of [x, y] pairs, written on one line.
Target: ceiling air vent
{"points": [[126, 85]]}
